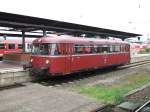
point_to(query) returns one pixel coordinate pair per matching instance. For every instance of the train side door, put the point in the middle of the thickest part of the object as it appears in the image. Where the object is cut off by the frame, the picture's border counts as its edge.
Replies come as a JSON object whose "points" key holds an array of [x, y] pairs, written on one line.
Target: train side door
{"points": [[105, 51], [68, 57]]}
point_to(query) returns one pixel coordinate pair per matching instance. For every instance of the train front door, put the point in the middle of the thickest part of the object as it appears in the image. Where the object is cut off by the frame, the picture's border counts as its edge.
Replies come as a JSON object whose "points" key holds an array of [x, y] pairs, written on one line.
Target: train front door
{"points": [[68, 56]]}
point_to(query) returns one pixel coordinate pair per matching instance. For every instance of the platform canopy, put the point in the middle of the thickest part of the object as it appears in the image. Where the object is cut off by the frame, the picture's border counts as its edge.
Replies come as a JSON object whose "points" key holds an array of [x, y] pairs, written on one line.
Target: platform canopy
{"points": [[15, 22]]}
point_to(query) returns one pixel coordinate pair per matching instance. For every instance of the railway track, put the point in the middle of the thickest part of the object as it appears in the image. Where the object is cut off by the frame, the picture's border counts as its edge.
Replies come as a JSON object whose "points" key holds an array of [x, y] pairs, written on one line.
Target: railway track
{"points": [[91, 76], [84, 78], [136, 64], [144, 108], [110, 108]]}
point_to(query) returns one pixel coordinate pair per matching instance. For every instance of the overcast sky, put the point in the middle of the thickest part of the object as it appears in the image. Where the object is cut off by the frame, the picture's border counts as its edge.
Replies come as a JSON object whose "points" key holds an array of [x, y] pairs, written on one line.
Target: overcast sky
{"points": [[123, 15]]}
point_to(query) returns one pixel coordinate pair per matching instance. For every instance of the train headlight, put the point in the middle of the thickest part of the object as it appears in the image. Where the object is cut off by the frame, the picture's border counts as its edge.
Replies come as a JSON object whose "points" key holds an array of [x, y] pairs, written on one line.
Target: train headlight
{"points": [[47, 61], [31, 60]]}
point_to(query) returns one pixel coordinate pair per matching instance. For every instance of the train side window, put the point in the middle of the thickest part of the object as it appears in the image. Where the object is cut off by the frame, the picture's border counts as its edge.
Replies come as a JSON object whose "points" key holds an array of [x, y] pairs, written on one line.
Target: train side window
{"points": [[20, 46], [122, 48], [105, 49], [127, 47], [55, 49], [117, 48], [95, 49], [28, 46], [99, 49], [2, 46], [31, 46], [92, 49], [11, 46], [87, 49], [79, 49], [111, 48], [64, 49]]}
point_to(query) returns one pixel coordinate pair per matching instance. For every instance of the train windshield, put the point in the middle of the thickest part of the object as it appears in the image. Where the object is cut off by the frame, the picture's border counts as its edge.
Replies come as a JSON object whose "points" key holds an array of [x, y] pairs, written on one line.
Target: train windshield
{"points": [[45, 49], [2, 46]]}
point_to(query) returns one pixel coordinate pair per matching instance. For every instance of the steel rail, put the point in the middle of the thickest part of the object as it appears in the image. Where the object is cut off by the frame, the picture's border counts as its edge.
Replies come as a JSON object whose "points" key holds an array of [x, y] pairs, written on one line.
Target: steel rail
{"points": [[134, 64], [144, 105]]}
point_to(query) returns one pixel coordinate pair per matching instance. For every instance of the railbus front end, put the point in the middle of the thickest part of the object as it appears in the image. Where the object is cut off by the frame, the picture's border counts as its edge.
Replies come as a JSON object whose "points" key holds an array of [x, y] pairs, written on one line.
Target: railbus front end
{"points": [[50, 58]]}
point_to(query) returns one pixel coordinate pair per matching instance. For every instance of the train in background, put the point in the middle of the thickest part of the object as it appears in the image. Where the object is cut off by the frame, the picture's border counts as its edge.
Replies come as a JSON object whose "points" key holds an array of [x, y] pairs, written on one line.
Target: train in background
{"points": [[65, 55], [14, 46], [136, 48]]}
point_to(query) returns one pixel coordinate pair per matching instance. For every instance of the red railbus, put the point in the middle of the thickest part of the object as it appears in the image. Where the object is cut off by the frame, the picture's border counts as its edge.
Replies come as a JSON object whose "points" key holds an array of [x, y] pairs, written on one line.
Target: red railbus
{"points": [[10, 46], [64, 55]]}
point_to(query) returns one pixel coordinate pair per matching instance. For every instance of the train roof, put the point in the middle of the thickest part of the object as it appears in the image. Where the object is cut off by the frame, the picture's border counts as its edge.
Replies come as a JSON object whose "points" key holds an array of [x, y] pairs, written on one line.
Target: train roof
{"points": [[10, 41], [70, 39], [16, 41]]}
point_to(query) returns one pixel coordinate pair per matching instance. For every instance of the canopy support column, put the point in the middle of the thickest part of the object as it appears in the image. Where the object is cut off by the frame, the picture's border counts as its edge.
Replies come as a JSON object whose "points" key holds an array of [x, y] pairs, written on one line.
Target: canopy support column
{"points": [[44, 33], [23, 41]]}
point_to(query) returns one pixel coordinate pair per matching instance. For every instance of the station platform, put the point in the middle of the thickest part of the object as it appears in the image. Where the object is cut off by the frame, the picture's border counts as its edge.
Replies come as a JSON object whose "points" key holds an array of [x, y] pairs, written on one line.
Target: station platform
{"points": [[11, 74]]}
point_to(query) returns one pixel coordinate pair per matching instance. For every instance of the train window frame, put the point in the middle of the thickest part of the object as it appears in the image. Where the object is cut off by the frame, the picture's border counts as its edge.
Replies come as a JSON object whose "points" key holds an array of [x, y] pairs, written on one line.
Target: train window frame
{"points": [[20, 46], [28, 46], [87, 49], [123, 48], [117, 48], [48, 49], [55, 49], [105, 49], [2, 46], [95, 48], [111, 48], [64, 48], [11, 46], [127, 48], [78, 47], [84, 49], [99, 49], [92, 49]]}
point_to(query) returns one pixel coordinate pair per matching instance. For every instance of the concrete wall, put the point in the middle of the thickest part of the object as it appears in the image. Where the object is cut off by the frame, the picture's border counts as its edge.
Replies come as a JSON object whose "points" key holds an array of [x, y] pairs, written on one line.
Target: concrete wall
{"points": [[18, 58], [140, 58], [12, 77]]}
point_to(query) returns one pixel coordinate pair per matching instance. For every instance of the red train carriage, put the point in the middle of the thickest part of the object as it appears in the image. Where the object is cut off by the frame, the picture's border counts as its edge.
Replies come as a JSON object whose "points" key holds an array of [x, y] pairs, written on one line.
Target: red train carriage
{"points": [[65, 55], [14, 46], [10, 46]]}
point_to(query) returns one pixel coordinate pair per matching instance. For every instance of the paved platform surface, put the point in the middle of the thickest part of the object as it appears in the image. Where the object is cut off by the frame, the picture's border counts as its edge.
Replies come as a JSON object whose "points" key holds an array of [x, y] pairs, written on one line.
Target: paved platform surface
{"points": [[38, 98], [4, 65]]}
